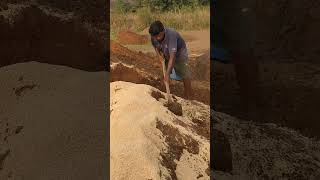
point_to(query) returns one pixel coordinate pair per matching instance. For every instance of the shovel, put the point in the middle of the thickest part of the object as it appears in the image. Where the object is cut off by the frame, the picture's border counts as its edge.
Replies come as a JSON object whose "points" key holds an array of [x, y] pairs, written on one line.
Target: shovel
{"points": [[166, 83], [174, 107]]}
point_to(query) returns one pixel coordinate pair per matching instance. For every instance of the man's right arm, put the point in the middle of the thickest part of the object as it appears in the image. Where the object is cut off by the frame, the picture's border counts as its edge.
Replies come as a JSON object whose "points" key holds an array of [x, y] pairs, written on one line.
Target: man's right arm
{"points": [[159, 54], [157, 49]]}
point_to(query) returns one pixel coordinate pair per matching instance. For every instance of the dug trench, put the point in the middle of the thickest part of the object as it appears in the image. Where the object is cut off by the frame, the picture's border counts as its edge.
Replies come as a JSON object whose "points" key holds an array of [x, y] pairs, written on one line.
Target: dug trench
{"points": [[140, 68], [289, 94], [36, 33], [287, 50]]}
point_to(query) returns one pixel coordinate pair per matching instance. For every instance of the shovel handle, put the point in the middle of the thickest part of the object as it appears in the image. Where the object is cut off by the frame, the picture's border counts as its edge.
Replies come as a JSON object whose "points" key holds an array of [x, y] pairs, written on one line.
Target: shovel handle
{"points": [[165, 82]]}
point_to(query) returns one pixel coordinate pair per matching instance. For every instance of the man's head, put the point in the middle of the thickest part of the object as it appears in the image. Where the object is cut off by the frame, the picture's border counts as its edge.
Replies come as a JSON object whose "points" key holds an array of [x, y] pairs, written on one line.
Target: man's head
{"points": [[157, 30]]}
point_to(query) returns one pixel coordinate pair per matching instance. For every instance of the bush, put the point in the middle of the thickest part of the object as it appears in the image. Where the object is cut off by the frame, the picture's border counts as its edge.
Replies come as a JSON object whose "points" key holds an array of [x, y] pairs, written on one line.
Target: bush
{"points": [[123, 6], [145, 18], [167, 5], [182, 19]]}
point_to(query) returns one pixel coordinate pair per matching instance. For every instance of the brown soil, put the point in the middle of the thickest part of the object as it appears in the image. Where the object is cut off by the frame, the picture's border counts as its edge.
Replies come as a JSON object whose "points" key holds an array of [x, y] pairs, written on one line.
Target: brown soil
{"points": [[197, 41], [177, 144], [39, 36], [201, 67], [290, 93], [129, 37], [89, 11], [145, 69], [288, 50], [174, 107]]}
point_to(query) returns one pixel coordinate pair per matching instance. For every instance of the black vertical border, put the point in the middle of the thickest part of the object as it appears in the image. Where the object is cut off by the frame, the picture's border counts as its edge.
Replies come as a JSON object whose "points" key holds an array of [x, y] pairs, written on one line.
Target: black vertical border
{"points": [[107, 62], [211, 89]]}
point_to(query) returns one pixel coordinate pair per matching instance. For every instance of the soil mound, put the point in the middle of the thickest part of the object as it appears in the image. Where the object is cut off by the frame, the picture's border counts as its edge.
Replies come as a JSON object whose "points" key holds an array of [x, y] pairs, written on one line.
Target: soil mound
{"points": [[129, 37], [245, 150], [154, 141], [201, 67], [33, 33], [89, 11], [290, 93], [52, 125]]}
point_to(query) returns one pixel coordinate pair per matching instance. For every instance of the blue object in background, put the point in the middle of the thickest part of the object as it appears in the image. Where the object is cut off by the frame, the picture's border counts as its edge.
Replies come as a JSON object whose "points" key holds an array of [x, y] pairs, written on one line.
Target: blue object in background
{"points": [[220, 54], [174, 75], [216, 54]]}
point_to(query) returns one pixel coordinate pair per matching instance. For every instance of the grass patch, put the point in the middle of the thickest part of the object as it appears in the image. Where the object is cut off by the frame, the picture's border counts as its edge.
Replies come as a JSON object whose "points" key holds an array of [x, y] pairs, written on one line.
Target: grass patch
{"points": [[113, 35], [182, 19]]}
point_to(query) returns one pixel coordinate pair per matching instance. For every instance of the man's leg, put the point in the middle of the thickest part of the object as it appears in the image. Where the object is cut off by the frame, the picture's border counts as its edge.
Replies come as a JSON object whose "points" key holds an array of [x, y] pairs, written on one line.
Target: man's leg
{"points": [[247, 73], [182, 70], [187, 88]]}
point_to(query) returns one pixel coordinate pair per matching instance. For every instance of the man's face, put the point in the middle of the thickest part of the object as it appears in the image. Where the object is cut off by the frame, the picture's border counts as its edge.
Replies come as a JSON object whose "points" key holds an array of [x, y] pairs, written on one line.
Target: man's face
{"points": [[159, 37]]}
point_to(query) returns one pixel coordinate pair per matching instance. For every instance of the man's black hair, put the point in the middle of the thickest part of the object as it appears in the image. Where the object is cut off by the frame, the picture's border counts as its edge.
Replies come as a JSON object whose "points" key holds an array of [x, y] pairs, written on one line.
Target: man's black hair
{"points": [[155, 28]]}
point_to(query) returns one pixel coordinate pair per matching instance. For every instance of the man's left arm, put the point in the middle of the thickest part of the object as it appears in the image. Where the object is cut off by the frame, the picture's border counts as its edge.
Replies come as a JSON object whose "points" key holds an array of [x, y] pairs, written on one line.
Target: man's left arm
{"points": [[171, 62], [172, 50]]}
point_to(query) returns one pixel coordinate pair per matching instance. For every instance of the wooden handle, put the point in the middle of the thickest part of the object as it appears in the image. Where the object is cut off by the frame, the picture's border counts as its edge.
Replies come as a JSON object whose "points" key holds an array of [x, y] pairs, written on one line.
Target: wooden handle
{"points": [[166, 83]]}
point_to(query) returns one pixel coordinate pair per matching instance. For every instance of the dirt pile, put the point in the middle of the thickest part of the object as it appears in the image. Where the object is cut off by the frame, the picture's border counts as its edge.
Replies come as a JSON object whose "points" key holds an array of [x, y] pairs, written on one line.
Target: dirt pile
{"points": [[288, 49], [33, 33], [261, 151], [147, 70], [52, 125], [201, 67], [124, 72], [119, 53], [3, 5], [152, 140], [93, 12], [289, 29], [290, 92], [129, 37]]}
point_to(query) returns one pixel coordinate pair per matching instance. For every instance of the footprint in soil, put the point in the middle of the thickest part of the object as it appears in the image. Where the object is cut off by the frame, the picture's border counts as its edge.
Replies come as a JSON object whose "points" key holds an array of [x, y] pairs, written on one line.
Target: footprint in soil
{"points": [[8, 131], [18, 91], [3, 156]]}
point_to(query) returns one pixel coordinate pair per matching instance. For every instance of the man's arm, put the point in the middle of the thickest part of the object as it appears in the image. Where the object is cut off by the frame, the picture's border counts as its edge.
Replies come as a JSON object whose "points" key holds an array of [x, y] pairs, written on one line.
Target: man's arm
{"points": [[171, 63], [157, 49], [173, 46], [159, 54]]}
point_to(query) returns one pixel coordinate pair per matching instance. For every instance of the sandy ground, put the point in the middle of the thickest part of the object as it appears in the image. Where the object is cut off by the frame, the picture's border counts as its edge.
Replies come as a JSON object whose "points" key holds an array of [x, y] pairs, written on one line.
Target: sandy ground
{"points": [[198, 42], [53, 123], [261, 151], [145, 136], [150, 142]]}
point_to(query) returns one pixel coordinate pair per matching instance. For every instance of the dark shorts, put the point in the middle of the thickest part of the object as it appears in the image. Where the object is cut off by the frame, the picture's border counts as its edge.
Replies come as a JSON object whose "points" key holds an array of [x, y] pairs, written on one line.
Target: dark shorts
{"points": [[181, 68], [234, 26]]}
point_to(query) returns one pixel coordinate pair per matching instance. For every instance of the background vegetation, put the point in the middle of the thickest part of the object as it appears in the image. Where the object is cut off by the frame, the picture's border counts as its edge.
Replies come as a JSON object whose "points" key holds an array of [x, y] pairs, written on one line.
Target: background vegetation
{"points": [[178, 14]]}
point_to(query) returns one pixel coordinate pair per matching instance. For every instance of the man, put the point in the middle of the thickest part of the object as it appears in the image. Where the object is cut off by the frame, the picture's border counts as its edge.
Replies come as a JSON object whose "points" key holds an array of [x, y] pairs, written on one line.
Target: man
{"points": [[233, 40], [170, 46]]}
